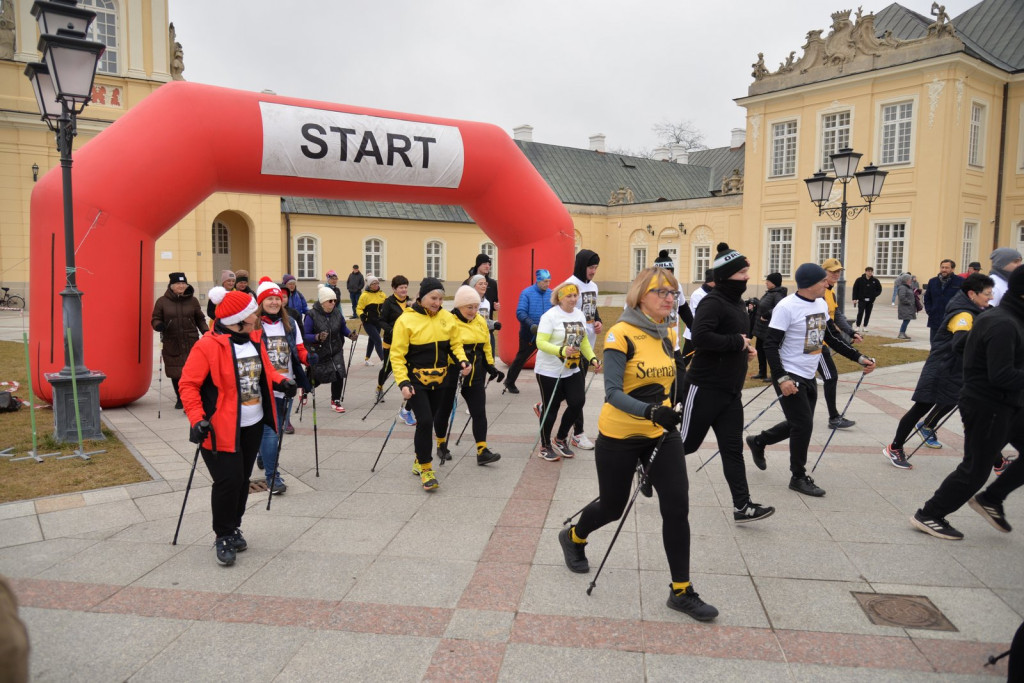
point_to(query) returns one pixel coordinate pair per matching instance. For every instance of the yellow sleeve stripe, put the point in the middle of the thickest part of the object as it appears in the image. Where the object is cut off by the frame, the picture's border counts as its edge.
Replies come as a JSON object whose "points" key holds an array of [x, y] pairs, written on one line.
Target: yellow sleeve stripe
{"points": [[962, 322]]}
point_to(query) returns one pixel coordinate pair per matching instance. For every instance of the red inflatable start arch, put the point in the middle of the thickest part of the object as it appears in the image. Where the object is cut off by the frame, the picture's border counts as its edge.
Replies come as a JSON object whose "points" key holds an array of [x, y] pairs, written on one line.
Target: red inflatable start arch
{"points": [[149, 169]]}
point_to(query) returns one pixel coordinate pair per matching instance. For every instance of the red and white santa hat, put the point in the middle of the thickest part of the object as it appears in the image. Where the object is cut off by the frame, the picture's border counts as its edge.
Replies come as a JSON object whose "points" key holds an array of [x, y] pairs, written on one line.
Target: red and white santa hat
{"points": [[236, 307], [267, 287]]}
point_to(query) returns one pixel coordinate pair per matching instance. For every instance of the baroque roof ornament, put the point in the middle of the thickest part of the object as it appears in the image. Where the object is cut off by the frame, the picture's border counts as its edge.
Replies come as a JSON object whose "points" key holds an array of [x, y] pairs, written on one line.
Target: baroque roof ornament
{"points": [[853, 46]]}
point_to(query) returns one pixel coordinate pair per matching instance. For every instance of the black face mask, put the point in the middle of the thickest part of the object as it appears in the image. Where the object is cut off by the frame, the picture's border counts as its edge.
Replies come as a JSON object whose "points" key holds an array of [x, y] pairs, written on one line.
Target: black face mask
{"points": [[733, 289], [236, 337]]}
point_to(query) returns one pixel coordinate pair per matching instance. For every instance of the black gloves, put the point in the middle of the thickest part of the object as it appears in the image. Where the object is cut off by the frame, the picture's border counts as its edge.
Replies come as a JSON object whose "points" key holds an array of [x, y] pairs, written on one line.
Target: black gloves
{"points": [[495, 374], [197, 434], [354, 335], [312, 359], [160, 327], [287, 386], [497, 325], [663, 416], [533, 329]]}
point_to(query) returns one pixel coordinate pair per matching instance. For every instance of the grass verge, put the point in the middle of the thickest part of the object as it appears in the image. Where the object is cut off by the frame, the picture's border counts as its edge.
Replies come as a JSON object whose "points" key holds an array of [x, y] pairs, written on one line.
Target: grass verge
{"points": [[30, 479]]}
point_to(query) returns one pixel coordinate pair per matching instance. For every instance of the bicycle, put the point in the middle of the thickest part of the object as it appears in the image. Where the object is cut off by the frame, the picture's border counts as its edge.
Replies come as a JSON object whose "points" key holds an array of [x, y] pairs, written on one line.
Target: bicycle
{"points": [[11, 302]]}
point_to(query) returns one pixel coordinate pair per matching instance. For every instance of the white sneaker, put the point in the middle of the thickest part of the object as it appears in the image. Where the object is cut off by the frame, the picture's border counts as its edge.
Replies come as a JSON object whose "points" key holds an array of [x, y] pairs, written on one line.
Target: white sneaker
{"points": [[581, 441], [367, 362]]}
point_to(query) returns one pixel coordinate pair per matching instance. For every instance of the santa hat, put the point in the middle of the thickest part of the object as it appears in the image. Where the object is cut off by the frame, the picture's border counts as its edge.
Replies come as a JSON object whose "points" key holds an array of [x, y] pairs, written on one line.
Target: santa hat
{"points": [[216, 295], [267, 287], [235, 307]]}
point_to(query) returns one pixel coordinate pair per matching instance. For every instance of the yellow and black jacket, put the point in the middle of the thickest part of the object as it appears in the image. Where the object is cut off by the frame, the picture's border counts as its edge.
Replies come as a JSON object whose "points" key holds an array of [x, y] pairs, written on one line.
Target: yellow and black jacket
{"points": [[476, 343], [639, 369], [420, 345], [369, 307], [390, 310]]}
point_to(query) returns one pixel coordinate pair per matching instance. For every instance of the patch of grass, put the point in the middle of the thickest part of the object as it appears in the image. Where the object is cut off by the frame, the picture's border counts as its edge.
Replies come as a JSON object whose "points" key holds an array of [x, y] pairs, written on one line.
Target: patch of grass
{"points": [[873, 346], [30, 479]]}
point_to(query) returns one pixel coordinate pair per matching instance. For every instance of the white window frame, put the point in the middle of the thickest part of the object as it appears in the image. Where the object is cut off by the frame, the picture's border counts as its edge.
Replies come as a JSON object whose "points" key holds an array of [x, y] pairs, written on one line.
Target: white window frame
{"points": [[834, 250], [314, 274], [441, 258], [782, 257], [638, 261], [969, 244], [1020, 140], [826, 149], [976, 129], [381, 257], [888, 270], [220, 229], [113, 54], [880, 130], [491, 249], [1020, 236], [701, 261], [784, 174]]}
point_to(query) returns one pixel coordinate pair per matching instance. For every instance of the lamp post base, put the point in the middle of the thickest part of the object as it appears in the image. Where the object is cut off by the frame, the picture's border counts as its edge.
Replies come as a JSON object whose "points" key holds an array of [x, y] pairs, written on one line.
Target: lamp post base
{"points": [[65, 427]]}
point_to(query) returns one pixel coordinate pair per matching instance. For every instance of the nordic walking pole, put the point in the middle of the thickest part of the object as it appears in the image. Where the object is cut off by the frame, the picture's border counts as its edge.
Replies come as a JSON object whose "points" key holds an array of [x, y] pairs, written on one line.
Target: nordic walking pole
{"points": [[393, 423], [277, 462], [451, 418], [348, 367], [841, 415], [766, 388], [316, 443], [745, 428], [622, 520], [380, 399], [570, 517], [942, 422], [188, 487], [160, 377], [470, 418], [544, 417]]}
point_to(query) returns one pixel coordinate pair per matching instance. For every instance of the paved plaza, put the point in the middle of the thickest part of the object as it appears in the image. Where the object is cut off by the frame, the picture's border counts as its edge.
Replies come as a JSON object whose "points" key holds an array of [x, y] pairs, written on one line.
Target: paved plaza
{"points": [[353, 575]]}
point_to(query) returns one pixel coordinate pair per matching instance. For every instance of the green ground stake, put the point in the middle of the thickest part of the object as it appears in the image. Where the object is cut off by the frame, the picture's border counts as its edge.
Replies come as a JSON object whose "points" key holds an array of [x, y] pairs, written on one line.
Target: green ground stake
{"points": [[74, 392], [34, 453]]}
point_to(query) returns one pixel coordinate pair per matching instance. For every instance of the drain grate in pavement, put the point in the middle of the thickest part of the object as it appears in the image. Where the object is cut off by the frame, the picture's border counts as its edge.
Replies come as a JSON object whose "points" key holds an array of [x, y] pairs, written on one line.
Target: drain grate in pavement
{"points": [[903, 611]]}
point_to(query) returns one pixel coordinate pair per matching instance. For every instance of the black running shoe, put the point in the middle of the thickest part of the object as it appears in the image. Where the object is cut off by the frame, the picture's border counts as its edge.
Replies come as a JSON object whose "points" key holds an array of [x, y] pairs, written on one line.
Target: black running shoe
{"points": [[259, 461], [936, 526], [689, 602], [840, 422], [751, 512], [487, 456], [238, 541], [511, 388], [443, 453], [178, 405], [575, 553], [993, 512], [225, 550], [806, 486], [757, 453]]}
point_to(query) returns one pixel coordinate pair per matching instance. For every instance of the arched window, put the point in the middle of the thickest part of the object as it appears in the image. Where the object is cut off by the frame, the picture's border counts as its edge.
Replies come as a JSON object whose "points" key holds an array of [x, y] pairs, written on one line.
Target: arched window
{"points": [[491, 250], [221, 239], [306, 256], [104, 30], [435, 259], [373, 257]]}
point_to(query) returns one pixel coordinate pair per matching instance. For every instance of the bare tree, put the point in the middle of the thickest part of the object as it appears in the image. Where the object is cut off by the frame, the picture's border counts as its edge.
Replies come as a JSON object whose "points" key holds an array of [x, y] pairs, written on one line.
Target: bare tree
{"points": [[643, 152], [680, 132]]}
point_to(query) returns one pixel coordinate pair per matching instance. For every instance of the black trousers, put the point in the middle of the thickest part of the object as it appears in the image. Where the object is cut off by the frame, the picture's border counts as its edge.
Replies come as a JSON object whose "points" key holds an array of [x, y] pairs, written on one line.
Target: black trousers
{"points": [[722, 411], [425, 404], [526, 348], [987, 429], [798, 425], [354, 294], [174, 383], [385, 367], [830, 376], [569, 389], [910, 419], [762, 361], [230, 473], [864, 312], [616, 461], [475, 398]]}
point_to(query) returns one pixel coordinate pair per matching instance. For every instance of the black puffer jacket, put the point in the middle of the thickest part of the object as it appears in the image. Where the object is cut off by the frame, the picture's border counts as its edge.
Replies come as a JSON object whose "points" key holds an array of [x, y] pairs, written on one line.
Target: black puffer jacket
{"points": [[768, 302], [943, 372]]}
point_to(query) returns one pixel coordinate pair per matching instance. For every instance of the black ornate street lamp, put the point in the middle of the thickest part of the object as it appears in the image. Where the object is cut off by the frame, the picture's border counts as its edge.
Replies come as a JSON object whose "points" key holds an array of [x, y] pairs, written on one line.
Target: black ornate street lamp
{"points": [[844, 163], [62, 83]]}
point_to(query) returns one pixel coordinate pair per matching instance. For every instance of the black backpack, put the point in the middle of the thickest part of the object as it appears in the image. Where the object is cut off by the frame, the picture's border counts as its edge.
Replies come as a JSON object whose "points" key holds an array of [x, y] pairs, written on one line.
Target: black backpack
{"points": [[9, 403]]}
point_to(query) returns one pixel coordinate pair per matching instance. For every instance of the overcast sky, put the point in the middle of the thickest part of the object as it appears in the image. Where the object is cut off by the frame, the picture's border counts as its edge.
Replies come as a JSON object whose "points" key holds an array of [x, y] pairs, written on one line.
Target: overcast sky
{"points": [[569, 68]]}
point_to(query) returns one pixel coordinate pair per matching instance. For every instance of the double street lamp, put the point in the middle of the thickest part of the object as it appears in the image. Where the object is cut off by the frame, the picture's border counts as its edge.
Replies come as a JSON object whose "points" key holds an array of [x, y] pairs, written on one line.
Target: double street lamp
{"points": [[844, 163], [62, 83]]}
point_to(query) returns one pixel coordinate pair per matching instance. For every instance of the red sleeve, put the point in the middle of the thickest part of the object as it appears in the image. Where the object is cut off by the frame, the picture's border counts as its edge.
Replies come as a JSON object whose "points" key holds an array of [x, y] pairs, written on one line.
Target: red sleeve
{"points": [[195, 372]]}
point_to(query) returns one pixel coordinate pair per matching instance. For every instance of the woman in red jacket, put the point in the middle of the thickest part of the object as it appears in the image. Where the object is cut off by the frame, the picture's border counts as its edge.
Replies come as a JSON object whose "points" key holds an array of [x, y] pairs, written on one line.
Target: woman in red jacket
{"points": [[227, 387]]}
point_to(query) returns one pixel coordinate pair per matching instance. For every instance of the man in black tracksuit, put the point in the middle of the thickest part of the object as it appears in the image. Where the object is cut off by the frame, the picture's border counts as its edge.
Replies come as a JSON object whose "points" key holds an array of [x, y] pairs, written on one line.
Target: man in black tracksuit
{"points": [[712, 388], [992, 408]]}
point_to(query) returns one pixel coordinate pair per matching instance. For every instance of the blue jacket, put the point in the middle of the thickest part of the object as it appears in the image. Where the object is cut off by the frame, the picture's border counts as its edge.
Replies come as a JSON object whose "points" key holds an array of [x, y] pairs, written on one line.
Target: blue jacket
{"points": [[533, 303], [936, 298], [297, 302]]}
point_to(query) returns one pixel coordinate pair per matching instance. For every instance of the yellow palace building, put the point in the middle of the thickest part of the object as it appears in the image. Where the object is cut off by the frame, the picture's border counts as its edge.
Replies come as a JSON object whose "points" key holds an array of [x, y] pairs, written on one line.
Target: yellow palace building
{"points": [[938, 102]]}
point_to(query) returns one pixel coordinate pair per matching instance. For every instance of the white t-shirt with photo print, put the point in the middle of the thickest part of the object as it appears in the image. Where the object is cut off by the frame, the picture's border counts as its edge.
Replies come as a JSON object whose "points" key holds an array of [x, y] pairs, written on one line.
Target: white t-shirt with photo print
{"points": [[249, 367], [803, 323], [278, 350], [566, 329], [587, 303]]}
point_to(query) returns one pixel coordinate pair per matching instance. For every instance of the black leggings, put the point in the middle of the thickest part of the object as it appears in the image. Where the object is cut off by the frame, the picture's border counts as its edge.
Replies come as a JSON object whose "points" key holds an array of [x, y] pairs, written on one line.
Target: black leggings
{"points": [[571, 390], [830, 376], [798, 425], [864, 311], [616, 461], [385, 368], [705, 409], [373, 343], [230, 473], [475, 398], [425, 404], [526, 349], [909, 421], [762, 361]]}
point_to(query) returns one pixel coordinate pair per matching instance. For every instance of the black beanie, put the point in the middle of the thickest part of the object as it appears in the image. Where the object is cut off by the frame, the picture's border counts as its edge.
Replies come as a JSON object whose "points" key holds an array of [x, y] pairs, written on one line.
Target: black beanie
{"points": [[429, 284], [178, 277], [808, 275], [727, 263], [663, 260], [481, 259], [1015, 284], [774, 278], [709, 275], [722, 246]]}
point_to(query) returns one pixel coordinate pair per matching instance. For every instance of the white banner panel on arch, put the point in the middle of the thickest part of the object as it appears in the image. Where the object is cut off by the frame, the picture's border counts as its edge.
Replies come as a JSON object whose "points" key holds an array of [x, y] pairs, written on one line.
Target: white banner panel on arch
{"points": [[331, 145]]}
